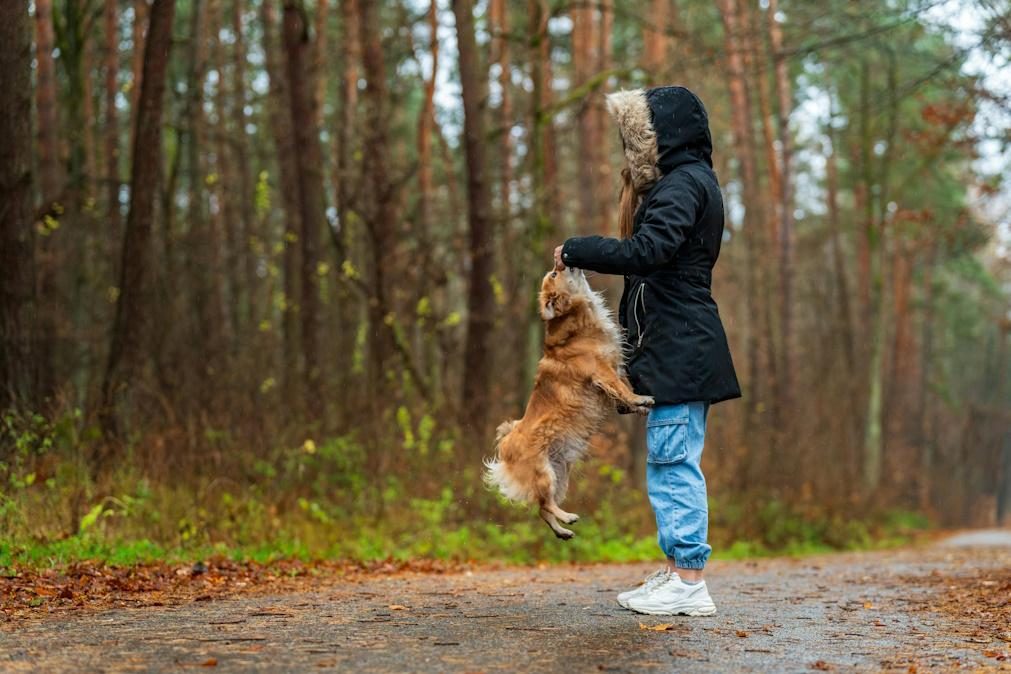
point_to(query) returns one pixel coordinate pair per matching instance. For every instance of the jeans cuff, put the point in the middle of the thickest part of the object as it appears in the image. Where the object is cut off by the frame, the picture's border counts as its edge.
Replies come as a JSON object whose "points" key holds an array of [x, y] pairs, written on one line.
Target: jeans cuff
{"points": [[697, 564]]}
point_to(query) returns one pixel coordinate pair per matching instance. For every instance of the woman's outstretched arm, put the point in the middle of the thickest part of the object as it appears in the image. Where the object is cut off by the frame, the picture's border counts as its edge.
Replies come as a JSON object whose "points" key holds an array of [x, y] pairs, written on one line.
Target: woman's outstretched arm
{"points": [[670, 215]]}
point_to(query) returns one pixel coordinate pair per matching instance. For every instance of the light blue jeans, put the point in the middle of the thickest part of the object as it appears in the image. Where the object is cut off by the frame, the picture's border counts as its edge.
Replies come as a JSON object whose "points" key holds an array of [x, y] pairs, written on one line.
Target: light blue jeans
{"points": [[677, 489]]}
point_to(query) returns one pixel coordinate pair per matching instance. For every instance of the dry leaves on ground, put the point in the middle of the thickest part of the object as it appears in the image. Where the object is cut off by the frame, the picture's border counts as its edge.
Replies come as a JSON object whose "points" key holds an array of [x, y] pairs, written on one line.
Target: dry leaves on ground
{"points": [[983, 602], [91, 585]]}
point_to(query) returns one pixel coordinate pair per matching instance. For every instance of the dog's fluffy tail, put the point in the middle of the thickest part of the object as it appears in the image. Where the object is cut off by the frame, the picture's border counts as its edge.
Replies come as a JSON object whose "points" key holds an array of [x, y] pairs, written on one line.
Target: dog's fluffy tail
{"points": [[496, 474]]}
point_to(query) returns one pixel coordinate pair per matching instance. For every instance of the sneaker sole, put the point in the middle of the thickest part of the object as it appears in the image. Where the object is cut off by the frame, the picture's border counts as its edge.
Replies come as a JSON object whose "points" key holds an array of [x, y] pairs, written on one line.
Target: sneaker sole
{"points": [[692, 612]]}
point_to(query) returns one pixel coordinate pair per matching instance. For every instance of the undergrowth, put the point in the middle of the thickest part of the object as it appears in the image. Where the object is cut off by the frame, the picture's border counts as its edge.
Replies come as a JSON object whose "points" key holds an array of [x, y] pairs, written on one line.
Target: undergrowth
{"points": [[327, 499]]}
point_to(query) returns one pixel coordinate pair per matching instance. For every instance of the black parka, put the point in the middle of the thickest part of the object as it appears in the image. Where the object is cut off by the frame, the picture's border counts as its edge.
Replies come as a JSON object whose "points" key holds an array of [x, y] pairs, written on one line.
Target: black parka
{"points": [[677, 348]]}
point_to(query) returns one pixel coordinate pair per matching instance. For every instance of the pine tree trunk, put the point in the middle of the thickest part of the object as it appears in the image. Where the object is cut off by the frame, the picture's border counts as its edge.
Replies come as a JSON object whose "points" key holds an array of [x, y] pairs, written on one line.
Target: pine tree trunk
{"points": [[249, 316], [754, 218], [605, 187], [133, 304], [655, 40], [785, 100], [111, 149], [345, 136], [319, 60], [312, 202], [139, 30], [50, 171], [280, 122], [584, 45], [17, 233], [480, 299]]}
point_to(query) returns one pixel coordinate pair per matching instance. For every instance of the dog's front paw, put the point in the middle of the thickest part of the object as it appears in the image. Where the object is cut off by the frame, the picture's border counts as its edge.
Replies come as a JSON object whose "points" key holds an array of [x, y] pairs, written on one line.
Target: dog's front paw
{"points": [[642, 406], [564, 534]]}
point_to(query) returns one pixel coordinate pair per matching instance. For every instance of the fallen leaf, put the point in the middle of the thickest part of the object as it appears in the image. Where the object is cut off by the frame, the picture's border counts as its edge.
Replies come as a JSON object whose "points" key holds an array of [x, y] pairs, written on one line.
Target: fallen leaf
{"points": [[821, 665], [867, 604], [742, 634], [662, 627], [209, 662], [397, 607]]}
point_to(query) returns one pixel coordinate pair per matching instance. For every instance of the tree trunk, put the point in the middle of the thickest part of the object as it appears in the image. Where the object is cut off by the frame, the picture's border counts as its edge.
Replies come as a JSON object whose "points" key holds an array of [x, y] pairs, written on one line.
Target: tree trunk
{"points": [[227, 218], [132, 307], [17, 233], [111, 68], [426, 121], [319, 60], [247, 216], [656, 41], [480, 299], [838, 256], [345, 136], [784, 380], [605, 187], [754, 218], [377, 205], [312, 202], [500, 29], [584, 45], [924, 419], [50, 170], [280, 122], [88, 119], [140, 11]]}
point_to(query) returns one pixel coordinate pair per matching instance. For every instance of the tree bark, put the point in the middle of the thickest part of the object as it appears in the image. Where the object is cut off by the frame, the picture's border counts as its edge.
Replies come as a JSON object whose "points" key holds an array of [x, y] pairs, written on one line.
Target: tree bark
{"points": [[139, 29], [50, 169], [111, 67], [312, 202], [345, 136], [784, 380], [133, 304], [838, 256], [280, 122], [17, 234], [584, 45], [247, 216], [480, 299], [740, 103], [656, 41], [426, 121], [377, 205], [319, 60]]}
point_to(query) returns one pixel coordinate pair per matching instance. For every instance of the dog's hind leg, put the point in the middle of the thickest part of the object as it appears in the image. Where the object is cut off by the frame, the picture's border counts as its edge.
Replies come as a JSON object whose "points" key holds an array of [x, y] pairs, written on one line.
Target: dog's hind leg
{"points": [[561, 486], [544, 488], [560, 531]]}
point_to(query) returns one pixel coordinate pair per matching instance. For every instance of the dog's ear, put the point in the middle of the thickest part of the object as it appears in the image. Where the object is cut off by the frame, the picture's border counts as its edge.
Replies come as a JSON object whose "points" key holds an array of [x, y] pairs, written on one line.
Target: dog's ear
{"points": [[548, 305], [563, 302], [554, 305]]}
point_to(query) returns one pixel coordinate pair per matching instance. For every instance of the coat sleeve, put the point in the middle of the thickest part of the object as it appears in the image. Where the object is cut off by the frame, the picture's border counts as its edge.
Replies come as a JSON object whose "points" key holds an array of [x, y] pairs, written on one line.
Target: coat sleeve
{"points": [[670, 215]]}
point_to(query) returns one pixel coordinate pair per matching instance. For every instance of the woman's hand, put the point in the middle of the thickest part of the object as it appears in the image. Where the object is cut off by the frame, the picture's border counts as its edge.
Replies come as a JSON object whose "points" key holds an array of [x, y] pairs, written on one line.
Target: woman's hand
{"points": [[558, 258]]}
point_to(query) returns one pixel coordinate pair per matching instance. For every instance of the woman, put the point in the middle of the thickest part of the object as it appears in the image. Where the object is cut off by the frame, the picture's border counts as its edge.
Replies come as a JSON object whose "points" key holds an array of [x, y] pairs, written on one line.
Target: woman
{"points": [[671, 221]]}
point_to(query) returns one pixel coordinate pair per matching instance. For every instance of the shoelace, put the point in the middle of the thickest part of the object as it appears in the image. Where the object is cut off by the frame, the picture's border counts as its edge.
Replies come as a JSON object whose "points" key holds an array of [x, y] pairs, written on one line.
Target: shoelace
{"points": [[658, 577]]}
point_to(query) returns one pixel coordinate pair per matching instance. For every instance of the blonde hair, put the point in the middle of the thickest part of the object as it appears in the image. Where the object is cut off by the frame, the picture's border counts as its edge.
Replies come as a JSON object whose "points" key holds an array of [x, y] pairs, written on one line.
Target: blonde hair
{"points": [[628, 204]]}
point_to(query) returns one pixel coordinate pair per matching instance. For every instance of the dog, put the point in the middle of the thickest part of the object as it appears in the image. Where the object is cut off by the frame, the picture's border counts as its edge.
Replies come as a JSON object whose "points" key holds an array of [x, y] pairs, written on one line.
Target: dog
{"points": [[579, 379]]}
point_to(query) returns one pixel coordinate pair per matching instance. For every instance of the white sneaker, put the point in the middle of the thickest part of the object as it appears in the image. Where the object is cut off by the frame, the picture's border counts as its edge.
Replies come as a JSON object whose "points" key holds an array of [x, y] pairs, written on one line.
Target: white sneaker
{"points": [[651, 581], [674, 597]]}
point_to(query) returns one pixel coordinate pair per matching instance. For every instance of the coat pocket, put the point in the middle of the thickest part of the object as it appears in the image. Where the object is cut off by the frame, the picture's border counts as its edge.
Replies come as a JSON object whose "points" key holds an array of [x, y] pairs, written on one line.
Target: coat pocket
{"points": [[666, 440], [637, 313]]}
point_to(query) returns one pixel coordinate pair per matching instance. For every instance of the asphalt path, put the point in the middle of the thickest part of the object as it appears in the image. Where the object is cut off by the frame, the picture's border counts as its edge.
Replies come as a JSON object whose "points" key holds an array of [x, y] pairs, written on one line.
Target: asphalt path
{"points": [[855, 611]]}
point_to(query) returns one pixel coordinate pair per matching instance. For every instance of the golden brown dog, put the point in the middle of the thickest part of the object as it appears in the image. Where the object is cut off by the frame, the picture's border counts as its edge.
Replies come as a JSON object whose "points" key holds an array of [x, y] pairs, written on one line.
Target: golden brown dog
{"points": [[579, 378]]}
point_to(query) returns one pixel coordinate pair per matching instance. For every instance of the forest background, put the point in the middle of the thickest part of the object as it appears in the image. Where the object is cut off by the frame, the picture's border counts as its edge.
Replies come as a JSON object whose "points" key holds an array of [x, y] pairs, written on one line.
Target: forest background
{"points": [[269, 269]]}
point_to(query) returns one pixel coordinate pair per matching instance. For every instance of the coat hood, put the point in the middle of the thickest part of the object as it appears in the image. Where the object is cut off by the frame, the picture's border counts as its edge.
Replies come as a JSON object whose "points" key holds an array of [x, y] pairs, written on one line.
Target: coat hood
{"points": [[661, 129]]}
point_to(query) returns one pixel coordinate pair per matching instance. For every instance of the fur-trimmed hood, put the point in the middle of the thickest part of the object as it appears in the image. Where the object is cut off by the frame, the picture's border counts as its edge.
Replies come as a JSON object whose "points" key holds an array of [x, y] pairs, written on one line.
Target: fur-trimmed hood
{"points": [[661, 129]]}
